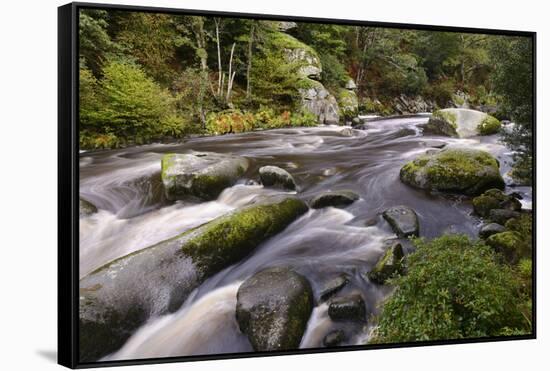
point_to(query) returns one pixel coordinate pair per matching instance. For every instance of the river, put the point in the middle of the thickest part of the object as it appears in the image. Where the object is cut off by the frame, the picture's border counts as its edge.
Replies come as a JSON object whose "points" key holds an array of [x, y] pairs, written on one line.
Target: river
{"points": [[133, 214]]}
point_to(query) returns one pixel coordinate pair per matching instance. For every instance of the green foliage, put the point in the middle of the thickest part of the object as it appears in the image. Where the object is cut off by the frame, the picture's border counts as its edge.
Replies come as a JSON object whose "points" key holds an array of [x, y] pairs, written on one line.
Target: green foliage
{"points": [[95, 42], [274, 81], [125, 106], [334, 72], [232, 121], [454, 289], [513, 80]]}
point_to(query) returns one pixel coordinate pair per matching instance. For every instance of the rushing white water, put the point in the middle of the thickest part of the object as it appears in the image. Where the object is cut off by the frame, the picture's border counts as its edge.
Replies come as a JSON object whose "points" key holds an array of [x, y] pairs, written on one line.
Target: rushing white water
{"points": [[322, 244]]}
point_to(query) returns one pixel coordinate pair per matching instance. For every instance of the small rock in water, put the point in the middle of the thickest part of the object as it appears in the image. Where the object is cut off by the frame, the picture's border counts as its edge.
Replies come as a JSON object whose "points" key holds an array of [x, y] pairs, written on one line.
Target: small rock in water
{"points": [[334, 198], [434, 144], [273, 176], [334, 338], [494, 199], [251, 182], [501, 216], [273, 307], [333, 286], [348, 308], [347, 132], [403, 220], [356, 121], [490, 229], [389, 264], [86, 208], [372, 221]]}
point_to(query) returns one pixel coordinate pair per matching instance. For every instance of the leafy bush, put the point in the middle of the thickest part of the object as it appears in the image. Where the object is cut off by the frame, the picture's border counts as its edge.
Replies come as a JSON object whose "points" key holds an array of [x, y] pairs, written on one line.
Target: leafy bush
{"points": [[232, 121], [304, 118], [127, 105], [454, 289]]}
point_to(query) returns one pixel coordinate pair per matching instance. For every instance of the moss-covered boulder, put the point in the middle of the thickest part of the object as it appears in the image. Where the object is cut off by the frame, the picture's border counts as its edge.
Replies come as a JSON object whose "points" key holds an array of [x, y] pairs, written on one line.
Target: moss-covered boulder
{"points": [[403, 220], [501, 216], [274, 176], [390, 264], [202, 175], [120, 296], [86, 208], [333, 198], [509, 244], [462, 123], [494, 199], [348, 308], [273, 308], [348, 104], [489, 126], [458, 170]]}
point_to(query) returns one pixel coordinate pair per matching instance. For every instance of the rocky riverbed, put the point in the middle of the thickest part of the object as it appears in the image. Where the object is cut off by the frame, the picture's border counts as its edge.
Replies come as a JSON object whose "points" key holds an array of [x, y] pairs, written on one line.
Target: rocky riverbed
{"points": [[274, 239]]}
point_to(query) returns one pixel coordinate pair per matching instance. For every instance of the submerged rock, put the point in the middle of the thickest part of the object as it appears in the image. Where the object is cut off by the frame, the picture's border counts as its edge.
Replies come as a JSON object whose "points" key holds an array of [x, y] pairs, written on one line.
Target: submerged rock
{"points": [[390, 263], [348, 308], [333, 198], [494, 199], [487, 230], [202, 175], [120, 296], [273, 308], [462, 123], [334, 338], [333, 286], [273, 176], [403, 220], [459, 170], [86, 208]]}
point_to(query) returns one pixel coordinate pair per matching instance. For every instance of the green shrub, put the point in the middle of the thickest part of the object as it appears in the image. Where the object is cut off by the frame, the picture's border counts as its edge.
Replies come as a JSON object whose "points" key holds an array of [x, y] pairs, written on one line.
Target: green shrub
{"points": [[454, 289], [304, 118]]}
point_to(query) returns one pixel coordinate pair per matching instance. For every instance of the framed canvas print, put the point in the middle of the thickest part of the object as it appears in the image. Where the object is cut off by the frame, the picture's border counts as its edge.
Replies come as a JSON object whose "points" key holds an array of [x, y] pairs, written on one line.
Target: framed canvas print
{"points": [[237, 185]]}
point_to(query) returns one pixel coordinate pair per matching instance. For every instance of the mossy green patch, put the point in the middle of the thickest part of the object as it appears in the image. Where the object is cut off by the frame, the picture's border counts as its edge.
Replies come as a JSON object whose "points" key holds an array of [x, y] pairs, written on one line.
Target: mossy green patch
{"points": [[449, 117], [489, 126], [231, 238], [510, 244], [455, 170]]}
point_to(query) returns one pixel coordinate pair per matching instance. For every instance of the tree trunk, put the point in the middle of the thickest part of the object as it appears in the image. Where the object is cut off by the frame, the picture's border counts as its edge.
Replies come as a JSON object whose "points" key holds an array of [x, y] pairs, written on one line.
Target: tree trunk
{"points": [[216, 21], [249, 64], [231, 75]]}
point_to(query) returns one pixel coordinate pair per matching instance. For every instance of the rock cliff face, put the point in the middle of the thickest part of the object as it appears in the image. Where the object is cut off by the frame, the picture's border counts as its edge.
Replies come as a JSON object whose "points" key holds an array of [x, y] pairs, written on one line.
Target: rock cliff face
{"points": [[315, 98]]}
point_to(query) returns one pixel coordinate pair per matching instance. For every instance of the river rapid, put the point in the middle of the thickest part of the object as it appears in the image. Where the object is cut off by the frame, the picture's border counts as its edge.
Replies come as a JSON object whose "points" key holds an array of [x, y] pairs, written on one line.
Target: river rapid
{"points": [[133, 214]]}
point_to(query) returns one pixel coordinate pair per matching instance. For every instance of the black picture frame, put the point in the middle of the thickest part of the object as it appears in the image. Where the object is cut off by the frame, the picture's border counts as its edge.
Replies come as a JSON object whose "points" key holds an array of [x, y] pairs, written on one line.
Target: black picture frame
{"points": [[68, 183]]}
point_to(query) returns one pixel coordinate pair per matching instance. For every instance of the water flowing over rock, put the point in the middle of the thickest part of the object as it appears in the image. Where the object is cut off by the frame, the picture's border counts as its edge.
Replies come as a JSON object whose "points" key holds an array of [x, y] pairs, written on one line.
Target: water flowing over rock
{"points": [[334, 338], [462, 123], [86, 208], [403, 220], [458, 170], [273, 176], [273, 307], [202, 175], [333, 198], [120, 296]]}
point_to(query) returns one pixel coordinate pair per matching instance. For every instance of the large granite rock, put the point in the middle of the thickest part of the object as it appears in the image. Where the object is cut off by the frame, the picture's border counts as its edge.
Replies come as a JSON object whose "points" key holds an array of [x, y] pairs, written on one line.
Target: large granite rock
{"points": [[462, 123], [120, 296], [458, 170], [201, 175], [318, 100], [273, 308]]}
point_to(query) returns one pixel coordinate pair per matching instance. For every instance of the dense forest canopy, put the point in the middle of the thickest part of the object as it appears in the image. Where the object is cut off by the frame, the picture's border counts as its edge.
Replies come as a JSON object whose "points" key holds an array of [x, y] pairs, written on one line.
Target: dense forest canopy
{"points": [[149, 76]]}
